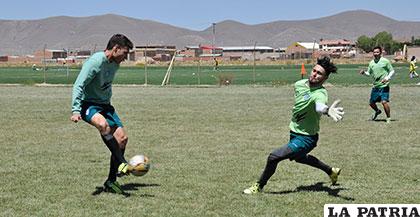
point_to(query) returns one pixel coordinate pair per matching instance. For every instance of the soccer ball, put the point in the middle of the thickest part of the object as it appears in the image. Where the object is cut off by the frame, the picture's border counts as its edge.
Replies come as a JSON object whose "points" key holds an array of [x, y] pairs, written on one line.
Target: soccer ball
{"points": [[141, 165]]}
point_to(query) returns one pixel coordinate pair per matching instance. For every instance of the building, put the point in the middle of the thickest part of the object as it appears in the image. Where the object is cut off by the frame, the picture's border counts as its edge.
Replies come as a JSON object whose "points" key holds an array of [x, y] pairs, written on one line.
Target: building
{"points": [[157, 52], [16, 59], [201, 52], [49, 55], [301, 50], [338, 47], [247, 52], [205, 52], [78, 56]]}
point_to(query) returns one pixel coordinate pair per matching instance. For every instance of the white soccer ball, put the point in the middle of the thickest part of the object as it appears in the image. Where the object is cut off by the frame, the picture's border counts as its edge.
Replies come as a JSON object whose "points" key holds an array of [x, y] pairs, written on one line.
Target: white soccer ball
{"points": [[141, 165]]}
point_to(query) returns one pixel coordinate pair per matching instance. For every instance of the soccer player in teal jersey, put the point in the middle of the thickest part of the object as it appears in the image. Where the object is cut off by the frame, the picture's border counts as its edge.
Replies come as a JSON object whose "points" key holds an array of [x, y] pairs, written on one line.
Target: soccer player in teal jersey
{"points": [[382, 71], [91, 102], [310, 103]]}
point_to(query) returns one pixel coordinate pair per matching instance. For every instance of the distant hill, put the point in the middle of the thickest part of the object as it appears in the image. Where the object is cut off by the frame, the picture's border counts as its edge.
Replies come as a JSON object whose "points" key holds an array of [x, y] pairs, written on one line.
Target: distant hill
{"points": [[92, 33]]}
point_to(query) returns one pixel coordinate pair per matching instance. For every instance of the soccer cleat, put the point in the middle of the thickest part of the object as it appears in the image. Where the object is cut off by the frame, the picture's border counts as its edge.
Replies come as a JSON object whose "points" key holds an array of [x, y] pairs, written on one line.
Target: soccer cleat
{"points": [[375, 115], [334, 175], [388, 120], [124, 169], [255, 188], [113, 187]]}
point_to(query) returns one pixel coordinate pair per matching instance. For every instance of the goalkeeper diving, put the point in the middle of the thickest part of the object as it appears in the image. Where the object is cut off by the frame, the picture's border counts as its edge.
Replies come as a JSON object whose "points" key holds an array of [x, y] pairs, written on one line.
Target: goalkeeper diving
{"points": [[310, 104]]}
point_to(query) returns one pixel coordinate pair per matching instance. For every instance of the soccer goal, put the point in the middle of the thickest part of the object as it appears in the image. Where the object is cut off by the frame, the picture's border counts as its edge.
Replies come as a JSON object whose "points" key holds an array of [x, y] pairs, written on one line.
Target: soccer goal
{"points": [[169, 71]]}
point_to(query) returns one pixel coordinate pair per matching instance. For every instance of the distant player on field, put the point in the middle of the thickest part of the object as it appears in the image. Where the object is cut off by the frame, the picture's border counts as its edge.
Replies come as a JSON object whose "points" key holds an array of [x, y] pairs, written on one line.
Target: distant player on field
{"points": [[216, 64], [413, 67], [310, 103], [91, 102], [382, 71]]}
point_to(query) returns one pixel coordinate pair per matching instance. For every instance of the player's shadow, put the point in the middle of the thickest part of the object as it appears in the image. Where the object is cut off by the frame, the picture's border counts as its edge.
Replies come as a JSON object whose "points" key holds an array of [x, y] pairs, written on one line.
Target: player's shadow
{"points": [[383, 120], [317, 187], [127, 187]]}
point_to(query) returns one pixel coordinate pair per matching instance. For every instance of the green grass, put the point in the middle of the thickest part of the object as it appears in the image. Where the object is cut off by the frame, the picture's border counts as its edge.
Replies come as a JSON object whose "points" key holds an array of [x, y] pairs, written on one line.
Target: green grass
{"points": [[191, 75], [206, 145]]}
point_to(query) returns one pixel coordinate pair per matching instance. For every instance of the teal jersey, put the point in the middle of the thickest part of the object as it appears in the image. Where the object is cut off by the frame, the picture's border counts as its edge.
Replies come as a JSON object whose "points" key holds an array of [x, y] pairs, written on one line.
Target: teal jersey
{"points": [[94, 81], [305, 119], [378, 70]]}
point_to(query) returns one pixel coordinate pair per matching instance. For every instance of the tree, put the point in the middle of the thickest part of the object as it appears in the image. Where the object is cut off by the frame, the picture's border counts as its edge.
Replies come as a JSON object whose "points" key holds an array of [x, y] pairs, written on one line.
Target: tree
{"points": [[384, 40], [396, 46], [365, 43]]}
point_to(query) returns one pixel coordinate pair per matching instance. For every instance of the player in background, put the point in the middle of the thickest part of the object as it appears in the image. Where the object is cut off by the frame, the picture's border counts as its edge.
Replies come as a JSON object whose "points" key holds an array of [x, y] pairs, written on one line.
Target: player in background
{"points": [[381, 70], [91, 102], [413, 67], [310, 104], [216, 64]]}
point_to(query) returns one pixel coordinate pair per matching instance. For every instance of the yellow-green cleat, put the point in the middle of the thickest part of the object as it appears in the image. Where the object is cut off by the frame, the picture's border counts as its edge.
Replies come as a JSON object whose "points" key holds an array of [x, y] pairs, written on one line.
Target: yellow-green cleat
{"points": [[124, 169], [255, 188], [113, 187], [334, 175]]}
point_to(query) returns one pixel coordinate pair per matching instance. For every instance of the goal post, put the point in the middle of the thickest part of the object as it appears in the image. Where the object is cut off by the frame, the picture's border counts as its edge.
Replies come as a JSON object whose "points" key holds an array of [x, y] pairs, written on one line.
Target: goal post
{"points": [[169, 71]]}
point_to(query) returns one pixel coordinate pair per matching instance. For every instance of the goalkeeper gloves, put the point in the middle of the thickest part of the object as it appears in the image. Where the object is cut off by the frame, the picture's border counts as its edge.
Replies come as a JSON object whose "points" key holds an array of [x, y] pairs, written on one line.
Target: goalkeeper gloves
{"points": [[336, 113]]}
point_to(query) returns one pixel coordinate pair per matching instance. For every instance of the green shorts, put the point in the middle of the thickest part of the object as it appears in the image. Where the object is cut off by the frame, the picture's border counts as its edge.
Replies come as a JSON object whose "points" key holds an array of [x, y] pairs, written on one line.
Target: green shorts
{"points": [[301, 144], [89, 109], [379, 95]]}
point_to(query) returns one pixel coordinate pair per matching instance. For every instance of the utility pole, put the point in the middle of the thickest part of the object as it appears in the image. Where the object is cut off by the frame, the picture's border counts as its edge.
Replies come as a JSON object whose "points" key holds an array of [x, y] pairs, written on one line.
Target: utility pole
{"points": [[214, 37], [255, 46], [145, 66], [45, 64], [67, 63], [313, 51]]}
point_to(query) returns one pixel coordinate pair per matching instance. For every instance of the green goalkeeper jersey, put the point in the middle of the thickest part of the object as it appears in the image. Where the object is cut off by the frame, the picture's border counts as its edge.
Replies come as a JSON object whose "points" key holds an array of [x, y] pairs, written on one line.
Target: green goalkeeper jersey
{"points": [[94, 81], [305, 119], [378, 70]]}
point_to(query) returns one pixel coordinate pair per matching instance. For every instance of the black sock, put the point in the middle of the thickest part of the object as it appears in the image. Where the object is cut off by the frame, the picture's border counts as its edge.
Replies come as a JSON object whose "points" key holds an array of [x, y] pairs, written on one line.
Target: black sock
{"points": [[113, 169], [269, 170], [314, 162], [273, 159], [113, 146]]}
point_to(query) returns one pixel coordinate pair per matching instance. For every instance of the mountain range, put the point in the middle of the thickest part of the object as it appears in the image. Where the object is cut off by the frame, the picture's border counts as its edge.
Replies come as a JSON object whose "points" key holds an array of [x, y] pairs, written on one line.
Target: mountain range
{"points": [[19, 37]]}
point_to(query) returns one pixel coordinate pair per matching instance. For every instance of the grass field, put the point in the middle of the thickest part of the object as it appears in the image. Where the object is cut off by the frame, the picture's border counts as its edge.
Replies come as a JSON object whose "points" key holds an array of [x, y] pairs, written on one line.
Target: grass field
{"points": [[191, 75], [206, 146]]}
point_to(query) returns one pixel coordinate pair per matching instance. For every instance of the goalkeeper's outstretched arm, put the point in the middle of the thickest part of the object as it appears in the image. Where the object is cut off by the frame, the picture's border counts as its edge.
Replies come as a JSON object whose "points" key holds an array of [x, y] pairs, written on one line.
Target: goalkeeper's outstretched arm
{"points": [[334, 112]]}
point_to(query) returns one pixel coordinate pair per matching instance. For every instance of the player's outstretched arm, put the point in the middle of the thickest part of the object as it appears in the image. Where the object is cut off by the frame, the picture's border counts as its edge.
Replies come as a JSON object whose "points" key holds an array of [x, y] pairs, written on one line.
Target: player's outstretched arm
{"points": [[333, 111]]}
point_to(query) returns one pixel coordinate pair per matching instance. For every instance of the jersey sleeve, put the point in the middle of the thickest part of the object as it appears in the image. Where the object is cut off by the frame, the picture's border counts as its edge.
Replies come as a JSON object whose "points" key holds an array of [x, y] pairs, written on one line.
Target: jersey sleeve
{"points": [[89, 70], [370, 70], [321, 97]]}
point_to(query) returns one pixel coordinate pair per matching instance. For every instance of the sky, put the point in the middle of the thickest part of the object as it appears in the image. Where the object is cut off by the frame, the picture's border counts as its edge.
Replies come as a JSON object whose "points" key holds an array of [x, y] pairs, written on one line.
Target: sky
{"points": [[199, 15]]}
